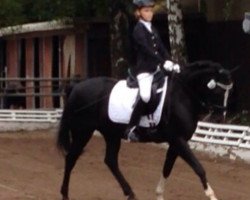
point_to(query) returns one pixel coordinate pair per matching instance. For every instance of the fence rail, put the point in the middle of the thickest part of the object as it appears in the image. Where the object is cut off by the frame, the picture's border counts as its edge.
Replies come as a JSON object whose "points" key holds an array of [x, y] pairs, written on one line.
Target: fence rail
{"points": [[222, 134], [50, 116], [31, 92]]}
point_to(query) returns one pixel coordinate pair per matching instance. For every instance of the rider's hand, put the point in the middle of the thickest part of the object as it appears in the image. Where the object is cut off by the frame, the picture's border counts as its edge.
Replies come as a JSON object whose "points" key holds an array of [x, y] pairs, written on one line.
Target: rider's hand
{"points": [[177, 68], [171, 66], [168, 65]]}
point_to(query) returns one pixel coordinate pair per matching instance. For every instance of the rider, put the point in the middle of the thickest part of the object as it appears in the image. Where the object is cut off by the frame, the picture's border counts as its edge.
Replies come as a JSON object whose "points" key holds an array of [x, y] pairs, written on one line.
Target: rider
{"points": [[151, 54]]}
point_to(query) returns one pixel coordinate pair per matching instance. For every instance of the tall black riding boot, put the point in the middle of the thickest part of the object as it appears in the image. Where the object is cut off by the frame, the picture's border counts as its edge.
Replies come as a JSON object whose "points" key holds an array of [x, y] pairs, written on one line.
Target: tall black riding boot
{"points": [[131, 131]]}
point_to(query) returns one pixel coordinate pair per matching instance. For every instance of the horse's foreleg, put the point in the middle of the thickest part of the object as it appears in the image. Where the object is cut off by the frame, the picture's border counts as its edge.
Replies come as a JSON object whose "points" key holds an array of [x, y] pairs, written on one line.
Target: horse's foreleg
{"points": [[160, 188], [168, 166], [185, 152], [111, 160]]}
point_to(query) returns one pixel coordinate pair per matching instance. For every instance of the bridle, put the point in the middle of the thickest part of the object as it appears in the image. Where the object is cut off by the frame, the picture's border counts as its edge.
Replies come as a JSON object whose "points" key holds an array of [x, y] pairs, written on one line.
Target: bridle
{"points": [[227, 87], [212, 84]]}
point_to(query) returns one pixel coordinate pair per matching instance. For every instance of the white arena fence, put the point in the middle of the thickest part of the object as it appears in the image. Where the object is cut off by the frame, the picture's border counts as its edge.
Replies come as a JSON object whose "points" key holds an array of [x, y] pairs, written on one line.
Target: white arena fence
{"points": [[221, 134], [47, 116]]}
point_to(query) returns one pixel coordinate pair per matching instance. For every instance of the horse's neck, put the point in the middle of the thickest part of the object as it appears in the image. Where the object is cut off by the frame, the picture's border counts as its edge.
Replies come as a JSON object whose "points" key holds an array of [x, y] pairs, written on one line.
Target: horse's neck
{"points": [[198, 70], [191, 81], [184, 96]]}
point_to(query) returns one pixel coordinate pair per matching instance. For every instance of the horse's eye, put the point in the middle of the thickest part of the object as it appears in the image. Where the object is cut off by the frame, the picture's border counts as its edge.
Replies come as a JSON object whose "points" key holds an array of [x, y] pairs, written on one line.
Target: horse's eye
{"points": [[211, 84]]}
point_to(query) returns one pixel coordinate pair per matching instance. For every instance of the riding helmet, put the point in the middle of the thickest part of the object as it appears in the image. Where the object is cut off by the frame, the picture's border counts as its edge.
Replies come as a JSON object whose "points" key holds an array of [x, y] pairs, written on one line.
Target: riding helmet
{"points": [[144, 3]]}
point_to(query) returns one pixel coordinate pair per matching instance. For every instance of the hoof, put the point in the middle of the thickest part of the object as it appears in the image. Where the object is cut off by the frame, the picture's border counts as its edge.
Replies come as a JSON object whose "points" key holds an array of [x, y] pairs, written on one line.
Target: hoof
{"points": [[132, 198], [133, 137]]}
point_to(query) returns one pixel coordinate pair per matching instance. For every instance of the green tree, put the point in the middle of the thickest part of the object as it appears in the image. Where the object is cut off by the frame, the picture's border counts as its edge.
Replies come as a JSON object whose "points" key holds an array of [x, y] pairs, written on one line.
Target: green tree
{"points": [[228, 8], [14, 12], [10, 11]]}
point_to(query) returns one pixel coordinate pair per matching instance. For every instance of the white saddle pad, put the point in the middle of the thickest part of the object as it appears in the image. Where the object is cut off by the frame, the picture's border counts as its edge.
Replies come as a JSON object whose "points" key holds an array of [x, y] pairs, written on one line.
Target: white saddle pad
{"points": [[121, 103]]}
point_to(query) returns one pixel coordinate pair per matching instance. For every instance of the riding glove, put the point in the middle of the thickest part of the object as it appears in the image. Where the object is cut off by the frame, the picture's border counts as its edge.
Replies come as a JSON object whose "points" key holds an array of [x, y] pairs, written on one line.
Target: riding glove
{"points": [[168, 65], [177, 68], [171, 66]]}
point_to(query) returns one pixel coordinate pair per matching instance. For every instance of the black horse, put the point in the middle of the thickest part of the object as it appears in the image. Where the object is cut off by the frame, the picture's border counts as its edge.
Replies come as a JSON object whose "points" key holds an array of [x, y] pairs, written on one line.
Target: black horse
{"points": [[199, 87]]}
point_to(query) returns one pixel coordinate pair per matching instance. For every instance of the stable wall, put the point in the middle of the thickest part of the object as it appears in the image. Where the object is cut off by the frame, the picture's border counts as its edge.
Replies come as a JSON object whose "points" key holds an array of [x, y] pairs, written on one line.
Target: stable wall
{"points": [[45, 56]]}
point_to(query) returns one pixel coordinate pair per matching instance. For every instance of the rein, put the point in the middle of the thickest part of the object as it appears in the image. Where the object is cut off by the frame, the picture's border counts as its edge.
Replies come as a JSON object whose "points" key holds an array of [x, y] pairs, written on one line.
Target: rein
{"points": [[91, 104]]}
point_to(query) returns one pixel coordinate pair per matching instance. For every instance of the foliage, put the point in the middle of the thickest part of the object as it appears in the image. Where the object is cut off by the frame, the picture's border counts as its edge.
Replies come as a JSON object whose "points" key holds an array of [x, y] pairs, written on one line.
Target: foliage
{"points": [[228, 8], [203, 6], [14, 12], [242, 118], [10, 11]]}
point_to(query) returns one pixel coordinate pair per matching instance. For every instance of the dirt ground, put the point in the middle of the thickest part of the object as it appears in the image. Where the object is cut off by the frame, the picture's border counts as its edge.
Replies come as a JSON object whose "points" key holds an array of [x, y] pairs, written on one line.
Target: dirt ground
{"points": [[32, 168]]}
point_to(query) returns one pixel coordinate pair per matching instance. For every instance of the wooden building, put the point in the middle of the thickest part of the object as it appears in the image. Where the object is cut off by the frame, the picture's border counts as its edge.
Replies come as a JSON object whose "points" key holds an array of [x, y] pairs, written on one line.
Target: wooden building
{"points": [[54, 49]]}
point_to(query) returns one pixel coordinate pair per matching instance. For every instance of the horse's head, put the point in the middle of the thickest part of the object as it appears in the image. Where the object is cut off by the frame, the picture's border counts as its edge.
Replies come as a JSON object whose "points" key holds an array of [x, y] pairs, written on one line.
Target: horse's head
{"points": [[211, 83]]}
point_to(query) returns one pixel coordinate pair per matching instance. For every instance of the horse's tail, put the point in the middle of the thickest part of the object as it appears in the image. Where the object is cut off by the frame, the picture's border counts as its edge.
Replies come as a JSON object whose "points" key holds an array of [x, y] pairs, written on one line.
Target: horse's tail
{"points": [[63, 137]]}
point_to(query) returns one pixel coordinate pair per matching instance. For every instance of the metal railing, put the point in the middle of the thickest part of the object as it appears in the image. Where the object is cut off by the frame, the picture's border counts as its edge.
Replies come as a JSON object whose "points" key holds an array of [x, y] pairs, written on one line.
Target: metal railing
{"points": [[33, 89]]}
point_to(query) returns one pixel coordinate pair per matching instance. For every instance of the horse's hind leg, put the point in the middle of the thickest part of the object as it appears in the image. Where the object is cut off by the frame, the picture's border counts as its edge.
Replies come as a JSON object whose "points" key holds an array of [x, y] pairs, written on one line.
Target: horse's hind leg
{"points": [[111, 160], [185, 152], [79, 140]]}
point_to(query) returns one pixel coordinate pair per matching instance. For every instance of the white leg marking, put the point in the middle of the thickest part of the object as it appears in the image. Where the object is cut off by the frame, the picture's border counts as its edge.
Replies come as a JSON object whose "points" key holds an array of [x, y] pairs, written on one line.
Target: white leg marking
{"points": [[160, 188], [210, 193]]}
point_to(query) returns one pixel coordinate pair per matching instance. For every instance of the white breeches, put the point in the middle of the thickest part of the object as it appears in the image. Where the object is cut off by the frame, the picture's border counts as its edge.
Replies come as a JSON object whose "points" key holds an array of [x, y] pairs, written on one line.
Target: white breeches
{"points": [[145, 83]]}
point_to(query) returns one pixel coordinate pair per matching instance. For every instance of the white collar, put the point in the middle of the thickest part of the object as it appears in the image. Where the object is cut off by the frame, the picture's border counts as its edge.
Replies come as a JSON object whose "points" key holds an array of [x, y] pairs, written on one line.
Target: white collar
{"points": [[148, 25]]}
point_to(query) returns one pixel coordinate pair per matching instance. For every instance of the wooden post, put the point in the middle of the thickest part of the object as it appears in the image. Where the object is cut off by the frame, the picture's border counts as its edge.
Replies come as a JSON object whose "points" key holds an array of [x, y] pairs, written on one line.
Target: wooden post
{"points": [[199, 5], [69, 51], [30, 72], [46, 72], [12, 58]]}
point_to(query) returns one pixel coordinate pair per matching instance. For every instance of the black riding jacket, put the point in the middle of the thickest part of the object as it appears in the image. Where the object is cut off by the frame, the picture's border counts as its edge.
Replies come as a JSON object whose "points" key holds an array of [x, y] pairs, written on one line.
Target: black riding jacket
{"points": [[149, 49]]}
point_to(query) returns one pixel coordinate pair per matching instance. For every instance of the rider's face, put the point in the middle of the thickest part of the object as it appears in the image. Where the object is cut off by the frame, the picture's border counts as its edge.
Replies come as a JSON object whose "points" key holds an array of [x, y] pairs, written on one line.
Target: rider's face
{"points": [[146, 13]]}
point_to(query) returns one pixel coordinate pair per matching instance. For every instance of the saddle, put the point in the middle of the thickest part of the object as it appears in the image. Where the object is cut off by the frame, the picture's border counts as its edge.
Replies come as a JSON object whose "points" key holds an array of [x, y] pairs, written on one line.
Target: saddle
{"points": [[156, 91], [123, 98]]}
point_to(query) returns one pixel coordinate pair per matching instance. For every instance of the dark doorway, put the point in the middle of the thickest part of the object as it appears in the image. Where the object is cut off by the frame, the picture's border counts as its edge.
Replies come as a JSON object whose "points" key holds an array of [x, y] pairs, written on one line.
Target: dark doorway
{"points": [[55, 71]]}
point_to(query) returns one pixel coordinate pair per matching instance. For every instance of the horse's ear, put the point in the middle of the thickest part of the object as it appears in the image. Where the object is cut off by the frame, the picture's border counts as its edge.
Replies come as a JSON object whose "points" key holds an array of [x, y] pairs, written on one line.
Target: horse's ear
{"points": [[234, 69], [223, 71]]}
